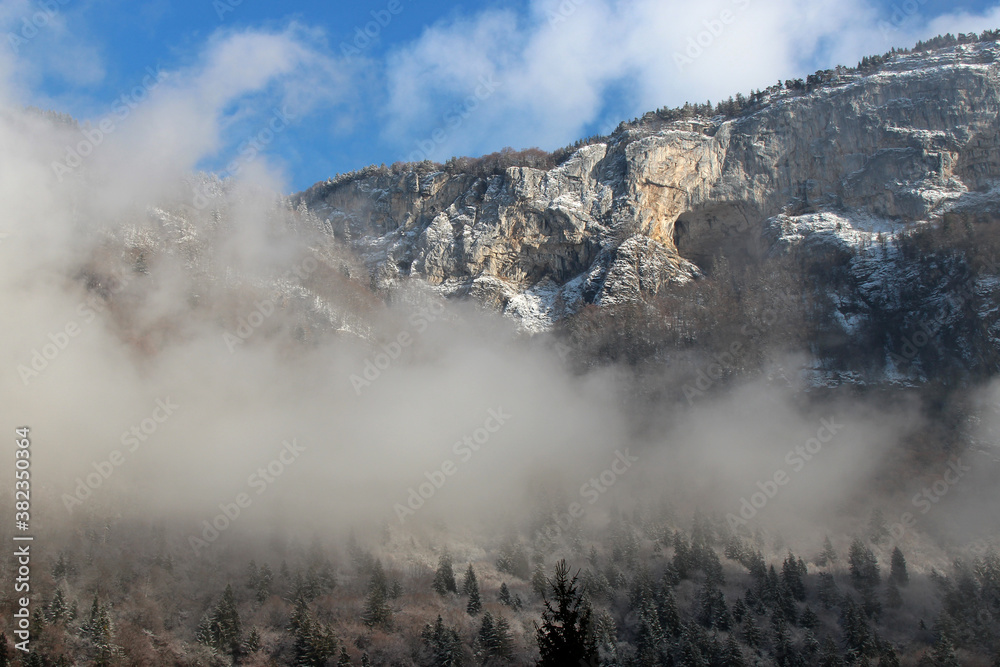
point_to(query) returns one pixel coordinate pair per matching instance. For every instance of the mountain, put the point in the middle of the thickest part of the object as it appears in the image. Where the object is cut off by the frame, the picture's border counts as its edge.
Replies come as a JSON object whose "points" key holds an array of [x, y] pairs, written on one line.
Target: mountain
{"points": [[853, 172]]}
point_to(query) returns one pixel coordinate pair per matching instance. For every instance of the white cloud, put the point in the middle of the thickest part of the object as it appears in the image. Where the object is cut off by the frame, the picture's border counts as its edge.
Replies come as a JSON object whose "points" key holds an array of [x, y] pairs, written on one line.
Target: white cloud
{"points": [[570, 64]]}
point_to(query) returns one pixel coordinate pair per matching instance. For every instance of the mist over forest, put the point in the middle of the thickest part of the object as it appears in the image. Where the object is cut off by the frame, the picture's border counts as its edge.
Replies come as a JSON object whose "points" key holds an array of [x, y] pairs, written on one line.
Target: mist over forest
{"points": [[248, 448]]}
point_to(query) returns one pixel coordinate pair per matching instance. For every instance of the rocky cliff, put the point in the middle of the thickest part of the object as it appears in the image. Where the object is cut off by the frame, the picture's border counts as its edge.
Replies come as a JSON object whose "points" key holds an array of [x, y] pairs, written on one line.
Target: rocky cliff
{"points": [[864, 157]]}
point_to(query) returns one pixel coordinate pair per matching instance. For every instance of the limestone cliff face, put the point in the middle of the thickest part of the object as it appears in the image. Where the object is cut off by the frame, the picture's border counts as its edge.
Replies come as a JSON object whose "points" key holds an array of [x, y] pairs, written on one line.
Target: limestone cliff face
{"points": [[658, 200]]}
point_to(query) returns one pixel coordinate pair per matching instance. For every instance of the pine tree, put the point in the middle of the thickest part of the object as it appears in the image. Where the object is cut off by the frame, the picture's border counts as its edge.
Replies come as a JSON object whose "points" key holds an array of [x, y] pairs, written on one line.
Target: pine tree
{"points": [[377, 612], [751, 633], [713, 612], [829, 594], [809, 619], [888, 657], [565, 637], [897, 568], [829, 555], [344, 660], [830, 656], [682, 560], [315, 642], [366, 661], [57, 612], [650, 635], [539, 582], [864, 567], [733, 656], [810, 647], [253, 642], [4, 652], [469, 580], [503, 597], [442, 645], [262, 584], [893, 598], [493, 640], [221, 628], [943, 653], [791, 576], [98, 629], [670, 618], [444, 578], [470, 585]]}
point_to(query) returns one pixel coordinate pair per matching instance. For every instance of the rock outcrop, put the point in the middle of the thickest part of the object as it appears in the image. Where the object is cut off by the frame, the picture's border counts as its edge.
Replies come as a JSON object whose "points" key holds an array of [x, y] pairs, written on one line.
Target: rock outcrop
{"points": [[655, 203]]}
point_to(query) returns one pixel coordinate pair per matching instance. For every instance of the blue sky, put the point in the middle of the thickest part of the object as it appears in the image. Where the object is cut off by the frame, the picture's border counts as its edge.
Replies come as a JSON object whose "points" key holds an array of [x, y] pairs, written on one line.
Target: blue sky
{"points": [[434, 79]]}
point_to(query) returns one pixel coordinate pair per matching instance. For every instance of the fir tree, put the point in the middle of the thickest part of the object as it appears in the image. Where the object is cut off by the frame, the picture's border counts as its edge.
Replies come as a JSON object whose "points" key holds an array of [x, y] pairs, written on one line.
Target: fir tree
{"points": [[469, 580], [493, 640], [864, 567], [57, 611], [751, 633], [315, 642], [221, 628], [442, 645], [565, 637], [682, 560], [829, 593], [809, 619], [830, 656], [377, 612], [539, 583], [943, 653], [791, 576], [670, 619], [98, 630], [253, 642], [262, 587], [713, 612], [829, 555], [733, 656], [444, 578], [650, 636], [893, 598], [897, 568], [344, 660], [470, 585], [504, 597]]}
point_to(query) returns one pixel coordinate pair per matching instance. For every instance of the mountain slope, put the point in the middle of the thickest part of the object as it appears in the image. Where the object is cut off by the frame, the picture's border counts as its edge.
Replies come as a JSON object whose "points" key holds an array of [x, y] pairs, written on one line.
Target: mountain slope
{"points": [[843, 173]]}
